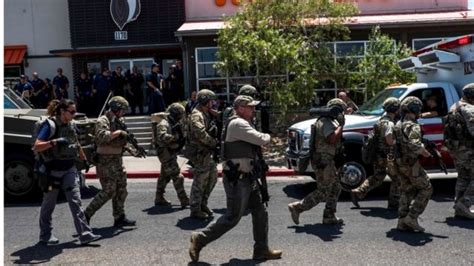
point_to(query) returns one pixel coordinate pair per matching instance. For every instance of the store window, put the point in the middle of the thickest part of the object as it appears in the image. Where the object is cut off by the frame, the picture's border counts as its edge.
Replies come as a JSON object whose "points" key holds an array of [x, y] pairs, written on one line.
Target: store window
{"points": [[143, 64]]}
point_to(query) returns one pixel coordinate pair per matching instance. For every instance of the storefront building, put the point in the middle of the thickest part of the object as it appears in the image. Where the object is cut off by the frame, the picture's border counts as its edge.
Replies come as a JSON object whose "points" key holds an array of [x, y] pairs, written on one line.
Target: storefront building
{"points": [[416, 23]]}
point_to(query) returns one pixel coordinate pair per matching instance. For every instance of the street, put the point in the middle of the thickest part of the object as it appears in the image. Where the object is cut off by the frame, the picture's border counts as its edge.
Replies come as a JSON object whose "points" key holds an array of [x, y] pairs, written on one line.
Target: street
{"points": [[162, 236]]}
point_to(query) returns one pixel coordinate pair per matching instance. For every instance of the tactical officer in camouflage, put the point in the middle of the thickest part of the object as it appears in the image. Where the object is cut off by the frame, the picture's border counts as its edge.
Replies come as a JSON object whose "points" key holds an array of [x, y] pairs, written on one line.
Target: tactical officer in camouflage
{"points": [[459, 136], [242, 142], [169, 142], [202, 139], [111, 140], [247, 90], [415, 187], [327, 143], [384, 162]]}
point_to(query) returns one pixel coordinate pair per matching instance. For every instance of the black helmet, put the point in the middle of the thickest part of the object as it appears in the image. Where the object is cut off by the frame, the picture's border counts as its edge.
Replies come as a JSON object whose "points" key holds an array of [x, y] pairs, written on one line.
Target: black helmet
{"points": [[412, 105]]}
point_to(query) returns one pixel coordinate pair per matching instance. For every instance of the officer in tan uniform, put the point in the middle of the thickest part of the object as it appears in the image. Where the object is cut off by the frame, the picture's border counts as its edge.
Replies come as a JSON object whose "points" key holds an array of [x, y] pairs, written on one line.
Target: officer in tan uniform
{"points": [[202, 140], [327, 143], [169, 142], [240, 183], [111, 139]]}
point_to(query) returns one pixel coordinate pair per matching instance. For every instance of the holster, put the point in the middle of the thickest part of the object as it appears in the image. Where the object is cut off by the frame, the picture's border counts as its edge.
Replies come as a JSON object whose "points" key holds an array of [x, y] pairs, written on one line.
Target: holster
{"points": [[233, 172]]}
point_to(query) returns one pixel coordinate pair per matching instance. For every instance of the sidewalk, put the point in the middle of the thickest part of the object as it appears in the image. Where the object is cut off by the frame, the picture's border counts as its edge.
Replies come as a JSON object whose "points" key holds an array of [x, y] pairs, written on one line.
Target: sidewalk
{"points": [[149, 167]]}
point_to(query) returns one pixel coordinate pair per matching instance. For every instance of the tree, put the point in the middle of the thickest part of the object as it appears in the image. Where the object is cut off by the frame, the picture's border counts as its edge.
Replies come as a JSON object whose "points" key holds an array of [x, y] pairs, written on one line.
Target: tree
{"points": [[283, 44], [379, 67]]}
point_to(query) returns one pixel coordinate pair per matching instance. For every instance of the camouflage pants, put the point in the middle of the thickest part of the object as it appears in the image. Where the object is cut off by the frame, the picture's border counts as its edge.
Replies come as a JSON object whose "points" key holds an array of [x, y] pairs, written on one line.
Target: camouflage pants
{"points": [[464, 162], [204, 180], [328, 187], [113, 179], [416, 188], [381, 169], [170, 171]]}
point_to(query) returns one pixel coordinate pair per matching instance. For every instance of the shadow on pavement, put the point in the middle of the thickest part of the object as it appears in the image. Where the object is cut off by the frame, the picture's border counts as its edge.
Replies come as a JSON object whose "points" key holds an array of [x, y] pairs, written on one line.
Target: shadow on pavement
{"points": [[412, 239], [249, 262], [41, 253], [189, 223], [157, 210], [111, 231], [378, 212], [198, 263], [459, 222], [299, 190], [325, 232]]}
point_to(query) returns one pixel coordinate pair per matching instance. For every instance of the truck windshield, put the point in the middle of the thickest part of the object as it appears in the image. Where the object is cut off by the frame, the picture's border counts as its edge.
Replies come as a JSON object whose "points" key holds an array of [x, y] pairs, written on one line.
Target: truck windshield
{"points": [[374, 105]]}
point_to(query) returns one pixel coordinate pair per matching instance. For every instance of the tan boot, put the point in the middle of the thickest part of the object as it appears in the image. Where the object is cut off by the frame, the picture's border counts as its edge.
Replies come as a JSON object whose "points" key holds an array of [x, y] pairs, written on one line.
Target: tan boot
{"points": [[269, 254], [194, 249], [161, 201], [329, 217], [412, 223], [401, 225], [184, 202], [461, 210], [295, 211]]}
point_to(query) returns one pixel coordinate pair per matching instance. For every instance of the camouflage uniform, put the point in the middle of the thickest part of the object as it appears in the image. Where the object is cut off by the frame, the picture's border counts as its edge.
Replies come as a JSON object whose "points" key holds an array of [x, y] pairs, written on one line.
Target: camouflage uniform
{"points": [[382, 166], [168, 146], [199, 151], [322, 161], [461, 145], [415, 187]]}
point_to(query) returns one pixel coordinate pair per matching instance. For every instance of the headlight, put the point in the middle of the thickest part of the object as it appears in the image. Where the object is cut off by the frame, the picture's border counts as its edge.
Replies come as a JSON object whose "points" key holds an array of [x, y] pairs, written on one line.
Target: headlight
{"points": [[306, 138]]}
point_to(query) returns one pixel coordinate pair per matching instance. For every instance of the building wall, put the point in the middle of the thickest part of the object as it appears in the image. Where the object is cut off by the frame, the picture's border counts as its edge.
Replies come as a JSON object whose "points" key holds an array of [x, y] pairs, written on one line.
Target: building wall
{"points": [[205, 10]]}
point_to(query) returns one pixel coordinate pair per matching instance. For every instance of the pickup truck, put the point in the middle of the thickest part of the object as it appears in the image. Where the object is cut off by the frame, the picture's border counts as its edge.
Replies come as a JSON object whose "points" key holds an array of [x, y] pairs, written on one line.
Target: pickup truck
{"points": [[442, 70]]}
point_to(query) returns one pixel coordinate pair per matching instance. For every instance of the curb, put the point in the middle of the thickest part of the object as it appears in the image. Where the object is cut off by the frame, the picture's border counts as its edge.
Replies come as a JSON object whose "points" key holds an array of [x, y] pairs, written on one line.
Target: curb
{"points": [[187, 174]]}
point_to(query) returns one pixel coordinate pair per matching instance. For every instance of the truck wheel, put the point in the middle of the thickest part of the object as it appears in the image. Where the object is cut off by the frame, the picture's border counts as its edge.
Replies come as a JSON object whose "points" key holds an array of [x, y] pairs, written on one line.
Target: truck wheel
{"points": [[351, 175], [19, 177]]}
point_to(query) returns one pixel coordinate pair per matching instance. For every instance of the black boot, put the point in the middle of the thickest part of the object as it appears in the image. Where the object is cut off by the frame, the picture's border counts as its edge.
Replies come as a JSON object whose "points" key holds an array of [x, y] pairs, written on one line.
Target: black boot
{"points": [[124, 221]]}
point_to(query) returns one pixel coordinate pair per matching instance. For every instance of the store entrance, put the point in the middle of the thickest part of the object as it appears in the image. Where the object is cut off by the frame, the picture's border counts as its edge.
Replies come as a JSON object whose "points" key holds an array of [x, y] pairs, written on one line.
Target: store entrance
{"points": [[143, 65]]}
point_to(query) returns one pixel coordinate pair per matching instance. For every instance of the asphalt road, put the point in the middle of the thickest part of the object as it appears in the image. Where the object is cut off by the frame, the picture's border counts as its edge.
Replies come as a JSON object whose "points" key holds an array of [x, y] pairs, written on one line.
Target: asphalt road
{"points": [[162, 236]]}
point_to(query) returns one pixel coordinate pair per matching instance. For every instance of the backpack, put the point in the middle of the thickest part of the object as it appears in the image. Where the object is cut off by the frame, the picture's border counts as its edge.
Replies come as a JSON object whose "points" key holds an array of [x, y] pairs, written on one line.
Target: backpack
{"points": [[455, 129], [39, 124]]}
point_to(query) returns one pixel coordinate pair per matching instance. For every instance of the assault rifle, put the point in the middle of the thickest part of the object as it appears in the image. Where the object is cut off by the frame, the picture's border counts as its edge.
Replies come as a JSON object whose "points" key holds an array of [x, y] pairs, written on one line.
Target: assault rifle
{"points": [[215, 132], [430, 146], [260, 169], [132, 140], [176, 129], [331, 112]]}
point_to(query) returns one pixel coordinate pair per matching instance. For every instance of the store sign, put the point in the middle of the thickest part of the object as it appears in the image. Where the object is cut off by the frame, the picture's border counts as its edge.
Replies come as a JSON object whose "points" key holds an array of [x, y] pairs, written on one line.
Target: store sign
{"points": [[124, 11], [121, 35]]}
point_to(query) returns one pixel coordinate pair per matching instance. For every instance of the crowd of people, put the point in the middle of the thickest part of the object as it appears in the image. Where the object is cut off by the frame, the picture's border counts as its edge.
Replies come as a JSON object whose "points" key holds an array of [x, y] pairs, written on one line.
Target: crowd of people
{"points": [[152, 90]]}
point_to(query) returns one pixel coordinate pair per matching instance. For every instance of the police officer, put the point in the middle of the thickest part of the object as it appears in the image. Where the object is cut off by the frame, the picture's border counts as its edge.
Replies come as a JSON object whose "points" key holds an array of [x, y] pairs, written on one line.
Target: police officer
{"points": [[327, 143], [201, 142], [169, 142], [415, 187], [383, 164], [242, 192], [460, 142], [111, 139], [58, 147]]}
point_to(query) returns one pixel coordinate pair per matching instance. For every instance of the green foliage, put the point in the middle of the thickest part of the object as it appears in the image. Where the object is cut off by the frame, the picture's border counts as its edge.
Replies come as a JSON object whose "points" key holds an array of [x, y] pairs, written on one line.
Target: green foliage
{"points": [[379, 67], [280, 37]]}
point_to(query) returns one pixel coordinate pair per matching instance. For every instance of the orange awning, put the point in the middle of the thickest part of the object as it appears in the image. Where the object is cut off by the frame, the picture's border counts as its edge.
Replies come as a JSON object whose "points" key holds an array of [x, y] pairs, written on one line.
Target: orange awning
{"points": [[14, 54]]}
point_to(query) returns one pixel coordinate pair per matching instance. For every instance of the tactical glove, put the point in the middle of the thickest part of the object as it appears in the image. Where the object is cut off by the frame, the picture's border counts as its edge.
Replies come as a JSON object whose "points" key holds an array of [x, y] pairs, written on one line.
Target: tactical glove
{"points": [[60, 141]]}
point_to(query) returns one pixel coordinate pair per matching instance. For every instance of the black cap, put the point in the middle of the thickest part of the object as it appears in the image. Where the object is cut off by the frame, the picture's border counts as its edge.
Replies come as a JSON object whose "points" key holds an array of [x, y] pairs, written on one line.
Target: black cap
{"points": [[155, 65]]}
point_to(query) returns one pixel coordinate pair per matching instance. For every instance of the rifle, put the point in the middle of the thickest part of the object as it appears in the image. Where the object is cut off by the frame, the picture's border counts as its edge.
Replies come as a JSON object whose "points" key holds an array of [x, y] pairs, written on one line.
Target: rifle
{"points": [[214, 132], [132, 140], [430, 146], [332, 112], [176, 129], [260, 169]]}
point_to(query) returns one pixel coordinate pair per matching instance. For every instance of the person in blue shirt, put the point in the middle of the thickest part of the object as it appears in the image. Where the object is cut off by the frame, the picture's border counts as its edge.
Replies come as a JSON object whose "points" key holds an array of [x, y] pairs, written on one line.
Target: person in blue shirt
{"points": [[102, 88], [84, 94], [61, 85], [24, 88], [192, 102], [38, 90], [155, 82], [58, 151]]}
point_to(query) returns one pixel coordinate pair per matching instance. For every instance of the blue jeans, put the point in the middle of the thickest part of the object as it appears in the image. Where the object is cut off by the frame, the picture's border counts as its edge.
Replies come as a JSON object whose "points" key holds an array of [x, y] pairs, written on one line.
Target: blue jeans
{"points": [[157, 103]]}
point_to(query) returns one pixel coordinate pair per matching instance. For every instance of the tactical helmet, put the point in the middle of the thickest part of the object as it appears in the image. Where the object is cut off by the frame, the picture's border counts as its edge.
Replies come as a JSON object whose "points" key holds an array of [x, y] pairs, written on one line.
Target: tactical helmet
{"points": [[412, 105], [391, 105], [176, 110], [248, 90], [337, 102], [118, 103], [468, 91], [203, 96]]}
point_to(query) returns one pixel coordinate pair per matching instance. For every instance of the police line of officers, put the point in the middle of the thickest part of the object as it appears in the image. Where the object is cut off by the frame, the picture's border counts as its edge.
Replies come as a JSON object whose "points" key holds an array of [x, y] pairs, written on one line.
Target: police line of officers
{"points": [[410, 190]]}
